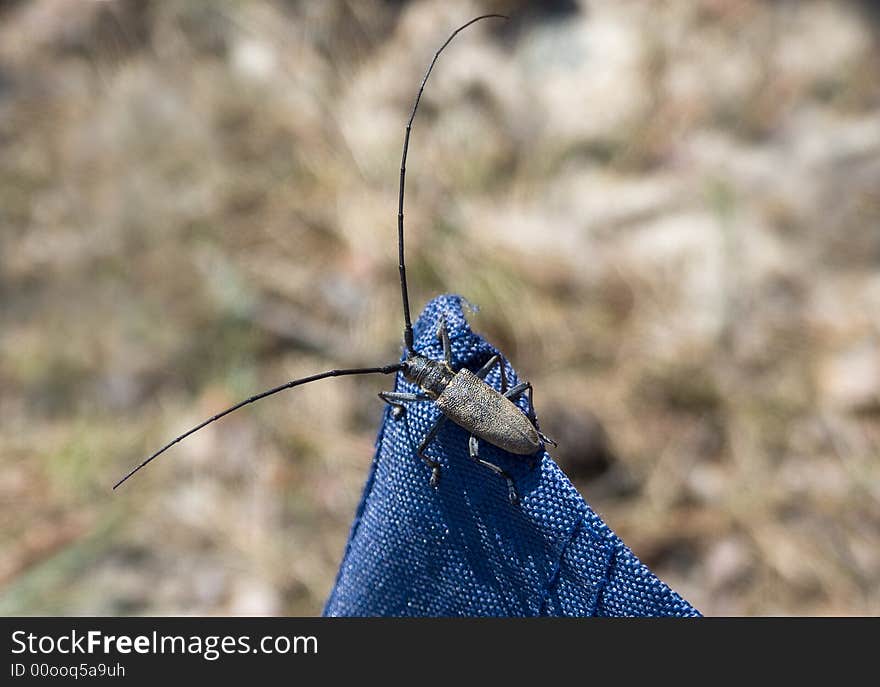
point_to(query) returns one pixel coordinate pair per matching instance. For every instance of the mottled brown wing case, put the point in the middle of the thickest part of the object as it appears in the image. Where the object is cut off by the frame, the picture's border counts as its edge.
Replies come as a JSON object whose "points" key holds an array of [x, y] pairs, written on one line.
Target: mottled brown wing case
{"points": [[471, 403]]}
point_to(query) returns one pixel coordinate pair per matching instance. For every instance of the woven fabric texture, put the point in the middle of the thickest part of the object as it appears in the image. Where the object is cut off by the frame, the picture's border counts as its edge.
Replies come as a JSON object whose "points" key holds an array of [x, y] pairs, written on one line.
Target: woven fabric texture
{"points": [[462, 549]]}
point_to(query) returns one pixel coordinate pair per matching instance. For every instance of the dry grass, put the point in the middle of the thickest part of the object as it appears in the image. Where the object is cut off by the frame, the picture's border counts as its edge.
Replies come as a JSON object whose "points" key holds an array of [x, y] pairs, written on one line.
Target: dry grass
{"points": [[668, 213]]}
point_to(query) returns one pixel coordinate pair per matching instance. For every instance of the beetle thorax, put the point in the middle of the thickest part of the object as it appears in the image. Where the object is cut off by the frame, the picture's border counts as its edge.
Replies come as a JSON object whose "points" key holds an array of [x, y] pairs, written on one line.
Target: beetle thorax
{"points": [[431, 375]]}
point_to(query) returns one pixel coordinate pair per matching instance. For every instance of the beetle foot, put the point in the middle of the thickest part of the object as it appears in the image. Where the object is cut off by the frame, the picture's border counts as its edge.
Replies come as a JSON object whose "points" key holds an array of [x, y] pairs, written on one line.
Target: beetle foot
{"points": [[435, 476], [512, 495], [547, 440]]}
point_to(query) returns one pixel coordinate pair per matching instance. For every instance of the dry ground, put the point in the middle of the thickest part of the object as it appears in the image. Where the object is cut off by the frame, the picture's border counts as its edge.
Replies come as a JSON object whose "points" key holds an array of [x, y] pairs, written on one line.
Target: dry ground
{"points": [[669, 213]]}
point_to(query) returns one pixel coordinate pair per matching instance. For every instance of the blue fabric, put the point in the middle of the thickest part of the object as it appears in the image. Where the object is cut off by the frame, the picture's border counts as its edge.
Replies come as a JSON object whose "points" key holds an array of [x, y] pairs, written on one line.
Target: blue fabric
{"points": [[463, 549]]}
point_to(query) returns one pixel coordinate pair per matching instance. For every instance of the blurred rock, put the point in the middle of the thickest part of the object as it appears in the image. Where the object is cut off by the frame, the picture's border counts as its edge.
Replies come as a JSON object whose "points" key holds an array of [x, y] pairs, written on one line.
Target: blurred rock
{"points": [[728, 564], [584, 451], [255, 60], [250, 597], [555, 56], [708, 481], [850, 378]]}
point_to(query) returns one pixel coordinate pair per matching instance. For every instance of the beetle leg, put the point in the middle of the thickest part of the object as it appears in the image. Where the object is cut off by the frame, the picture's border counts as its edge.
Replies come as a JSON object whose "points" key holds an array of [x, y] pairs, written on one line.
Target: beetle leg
{"points": [[518, 391], [474, 451], [515, 393], [430, 462], [484, 371], [443, 335], [396, 400]]}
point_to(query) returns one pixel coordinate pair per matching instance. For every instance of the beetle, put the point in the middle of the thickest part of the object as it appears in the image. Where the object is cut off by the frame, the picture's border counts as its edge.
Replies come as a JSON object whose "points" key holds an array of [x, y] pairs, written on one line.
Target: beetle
{"points": [[462, 397]]}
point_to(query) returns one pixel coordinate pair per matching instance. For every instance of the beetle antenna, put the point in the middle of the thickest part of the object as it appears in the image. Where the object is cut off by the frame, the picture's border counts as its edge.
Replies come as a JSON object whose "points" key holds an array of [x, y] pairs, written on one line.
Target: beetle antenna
{"points": [[408, 332], [387, 369]]}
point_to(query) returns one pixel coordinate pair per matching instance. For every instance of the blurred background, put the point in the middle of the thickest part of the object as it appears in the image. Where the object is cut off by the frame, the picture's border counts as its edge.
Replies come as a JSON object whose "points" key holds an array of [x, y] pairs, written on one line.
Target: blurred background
{"points": [[668, 212]]}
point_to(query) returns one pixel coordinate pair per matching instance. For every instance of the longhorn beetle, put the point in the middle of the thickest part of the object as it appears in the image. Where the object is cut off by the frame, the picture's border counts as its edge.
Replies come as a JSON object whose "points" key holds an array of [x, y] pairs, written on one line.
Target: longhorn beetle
{"points": [[462, 396]]}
